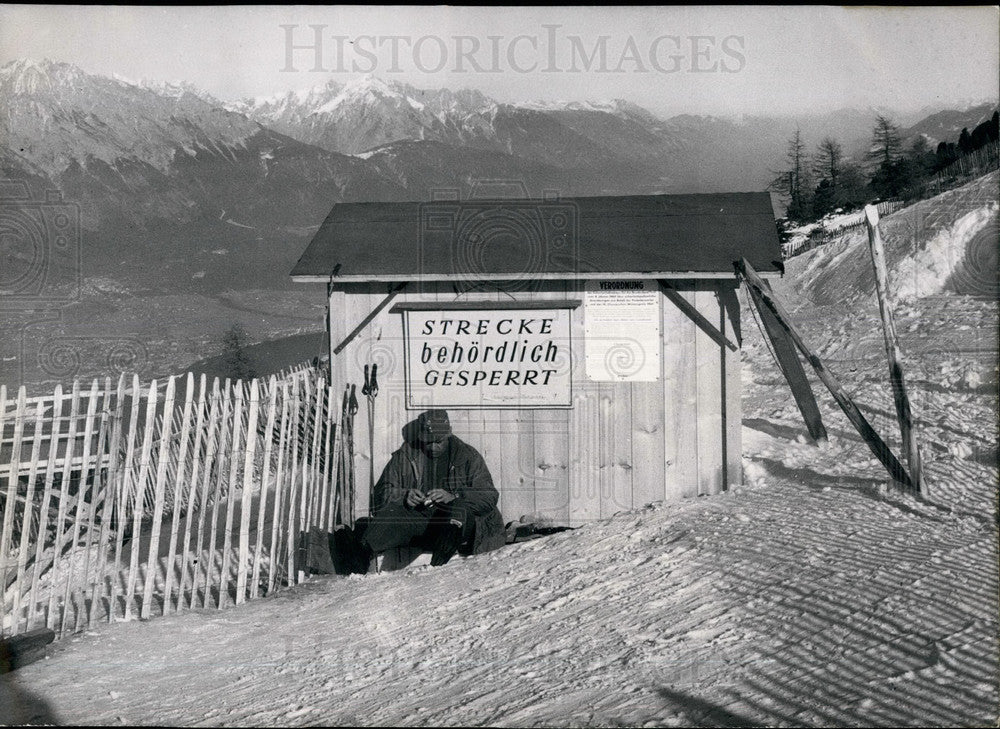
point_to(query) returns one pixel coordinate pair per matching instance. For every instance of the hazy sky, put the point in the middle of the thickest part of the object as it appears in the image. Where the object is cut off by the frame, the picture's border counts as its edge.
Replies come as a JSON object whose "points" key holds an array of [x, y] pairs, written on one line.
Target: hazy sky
{"points": [[717, 60]]}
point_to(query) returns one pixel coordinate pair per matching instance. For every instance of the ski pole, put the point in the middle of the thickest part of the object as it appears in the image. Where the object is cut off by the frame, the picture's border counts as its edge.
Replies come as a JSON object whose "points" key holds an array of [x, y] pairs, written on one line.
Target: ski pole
{"points": [[336, 455], [370, 390], [352, 411], [342, 456]]}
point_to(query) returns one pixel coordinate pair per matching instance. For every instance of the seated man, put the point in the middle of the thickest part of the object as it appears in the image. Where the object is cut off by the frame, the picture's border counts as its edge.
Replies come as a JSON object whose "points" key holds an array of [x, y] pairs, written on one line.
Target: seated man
{"points": [[438, 488]]}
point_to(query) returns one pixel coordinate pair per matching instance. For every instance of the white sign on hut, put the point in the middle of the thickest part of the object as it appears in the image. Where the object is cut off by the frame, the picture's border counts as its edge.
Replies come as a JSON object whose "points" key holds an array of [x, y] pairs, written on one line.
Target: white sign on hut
{"points": [[587, 347]]}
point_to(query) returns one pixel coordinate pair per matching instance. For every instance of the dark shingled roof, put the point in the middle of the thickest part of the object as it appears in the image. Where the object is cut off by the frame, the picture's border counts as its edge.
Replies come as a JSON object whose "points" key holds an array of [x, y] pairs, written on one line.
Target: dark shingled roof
{"points": [[699, 234]]}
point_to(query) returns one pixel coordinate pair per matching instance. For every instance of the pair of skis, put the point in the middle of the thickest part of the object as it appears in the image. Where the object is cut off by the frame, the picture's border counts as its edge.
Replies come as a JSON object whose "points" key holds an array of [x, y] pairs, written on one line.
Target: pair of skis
{"points": [[344, 447]]}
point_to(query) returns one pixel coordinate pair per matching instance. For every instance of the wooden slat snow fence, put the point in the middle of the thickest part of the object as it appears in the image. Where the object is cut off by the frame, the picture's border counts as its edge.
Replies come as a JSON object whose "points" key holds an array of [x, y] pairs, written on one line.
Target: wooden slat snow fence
{"points": [[826, 231], [123, 500]]}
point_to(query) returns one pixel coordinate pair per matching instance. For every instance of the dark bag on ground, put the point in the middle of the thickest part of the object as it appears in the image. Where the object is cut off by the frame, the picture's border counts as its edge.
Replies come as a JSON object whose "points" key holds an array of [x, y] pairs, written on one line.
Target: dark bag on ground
{"points": [[339, 552], [319, 554]]}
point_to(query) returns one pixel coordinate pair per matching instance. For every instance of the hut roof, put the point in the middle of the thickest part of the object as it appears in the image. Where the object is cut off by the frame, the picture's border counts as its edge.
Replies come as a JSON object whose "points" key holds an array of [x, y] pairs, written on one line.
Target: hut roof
{"points": [[700, 235]]}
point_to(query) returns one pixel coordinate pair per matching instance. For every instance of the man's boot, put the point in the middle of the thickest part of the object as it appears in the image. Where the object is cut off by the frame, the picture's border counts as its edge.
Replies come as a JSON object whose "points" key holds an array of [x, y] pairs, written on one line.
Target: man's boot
{"points": [[446, 542], [359, 553]]}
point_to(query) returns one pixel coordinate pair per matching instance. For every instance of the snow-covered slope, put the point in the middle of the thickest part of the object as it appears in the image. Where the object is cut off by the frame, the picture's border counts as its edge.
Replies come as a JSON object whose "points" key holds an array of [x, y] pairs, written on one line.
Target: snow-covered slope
{"points": [[941, 257], [945, 244], [783, 604]]}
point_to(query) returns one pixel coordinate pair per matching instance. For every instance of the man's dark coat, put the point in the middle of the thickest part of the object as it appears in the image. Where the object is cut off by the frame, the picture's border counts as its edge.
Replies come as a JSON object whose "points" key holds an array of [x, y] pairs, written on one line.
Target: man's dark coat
{"points": [[467, 477]]}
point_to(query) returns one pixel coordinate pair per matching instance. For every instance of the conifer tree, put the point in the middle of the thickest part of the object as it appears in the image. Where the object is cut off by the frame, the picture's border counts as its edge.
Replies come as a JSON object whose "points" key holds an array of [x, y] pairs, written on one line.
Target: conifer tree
{"points": [[237, 362], [793, 181], [828, 161], [886, 144]]}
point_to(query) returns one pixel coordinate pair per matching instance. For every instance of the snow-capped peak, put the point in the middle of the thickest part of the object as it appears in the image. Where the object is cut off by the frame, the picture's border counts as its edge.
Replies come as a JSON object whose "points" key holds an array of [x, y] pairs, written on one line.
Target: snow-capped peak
{"points": [[303, 99], [367, 90], [560, 105], [176, 89], [125, 80], [617, 107], [28, 76]]}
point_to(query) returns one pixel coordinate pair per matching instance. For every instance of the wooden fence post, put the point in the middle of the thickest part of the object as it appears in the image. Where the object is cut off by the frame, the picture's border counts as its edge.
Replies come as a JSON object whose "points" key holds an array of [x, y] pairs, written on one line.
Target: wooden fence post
{"points": [[235, 461], [88, 429], [8, 516], [43, 512], [294, 438], [29, 508], [178, 489], [227, 394], [95, 490], [63, 504], [249, 449], [139, 494], [791, 368], [214, 424], [111, 503], [196, 459], [159, 497], [304, 488], [907, 428], [125, 489], [265, 475], [280, 489]]}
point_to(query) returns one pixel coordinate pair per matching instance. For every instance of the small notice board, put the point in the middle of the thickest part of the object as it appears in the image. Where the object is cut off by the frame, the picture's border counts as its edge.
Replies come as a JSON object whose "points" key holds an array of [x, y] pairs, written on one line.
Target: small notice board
{"points": [[622, 325]]}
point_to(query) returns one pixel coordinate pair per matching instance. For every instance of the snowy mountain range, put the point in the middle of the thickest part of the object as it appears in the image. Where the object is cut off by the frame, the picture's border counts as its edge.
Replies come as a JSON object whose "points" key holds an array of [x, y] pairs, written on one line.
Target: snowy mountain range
{"points": [[370, 113], [172, 171], [355, 117]]}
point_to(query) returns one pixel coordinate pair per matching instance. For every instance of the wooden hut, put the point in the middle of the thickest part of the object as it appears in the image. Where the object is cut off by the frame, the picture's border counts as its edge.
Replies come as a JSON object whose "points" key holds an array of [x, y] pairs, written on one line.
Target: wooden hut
{"points": [[587, 347]]}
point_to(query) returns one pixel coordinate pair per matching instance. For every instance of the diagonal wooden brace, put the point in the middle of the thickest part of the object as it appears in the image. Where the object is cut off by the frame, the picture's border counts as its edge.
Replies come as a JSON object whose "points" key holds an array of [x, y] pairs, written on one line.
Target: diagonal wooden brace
{"points": [[791, 368], [393, 292], [871, 438], [696, 316]]}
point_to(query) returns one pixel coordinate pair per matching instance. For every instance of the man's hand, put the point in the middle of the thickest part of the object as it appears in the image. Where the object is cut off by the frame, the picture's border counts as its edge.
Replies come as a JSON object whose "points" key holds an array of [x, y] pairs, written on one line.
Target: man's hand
{"points": [[415, 498], [440, 496]]}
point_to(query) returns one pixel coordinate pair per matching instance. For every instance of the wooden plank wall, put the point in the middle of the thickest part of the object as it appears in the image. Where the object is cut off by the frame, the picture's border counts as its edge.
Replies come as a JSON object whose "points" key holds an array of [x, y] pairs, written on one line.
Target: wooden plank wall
{"points": [[620, 446]]}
